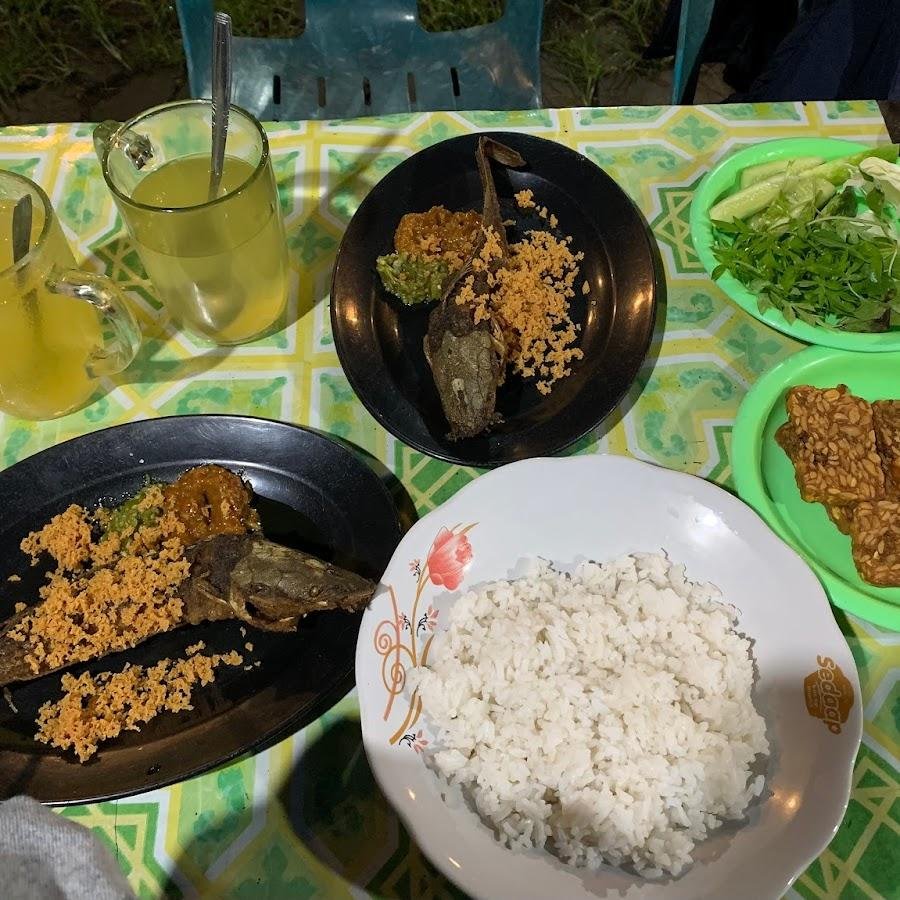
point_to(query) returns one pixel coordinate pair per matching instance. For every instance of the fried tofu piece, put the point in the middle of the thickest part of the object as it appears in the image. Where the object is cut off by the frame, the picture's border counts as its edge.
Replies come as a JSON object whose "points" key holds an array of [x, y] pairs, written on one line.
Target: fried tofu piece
{"points": [[886, 416], [875, 534], [789, 441], [832, 446]]}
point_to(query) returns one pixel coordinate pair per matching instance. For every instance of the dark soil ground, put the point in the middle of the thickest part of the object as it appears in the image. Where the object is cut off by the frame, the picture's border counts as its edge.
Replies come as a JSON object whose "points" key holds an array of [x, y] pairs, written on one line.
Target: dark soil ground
{"points": [[95, 96]]}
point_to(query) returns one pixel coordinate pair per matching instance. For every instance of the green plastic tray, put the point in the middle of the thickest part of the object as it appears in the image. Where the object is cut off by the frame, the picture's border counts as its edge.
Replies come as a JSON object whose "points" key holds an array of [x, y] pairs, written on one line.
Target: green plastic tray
{"points": [[723, 179], [764, 475]]}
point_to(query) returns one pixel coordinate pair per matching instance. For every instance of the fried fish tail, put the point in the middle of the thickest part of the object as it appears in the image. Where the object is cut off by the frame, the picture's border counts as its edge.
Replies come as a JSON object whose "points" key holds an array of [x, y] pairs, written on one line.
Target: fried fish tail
{"points": [[14, 665]]}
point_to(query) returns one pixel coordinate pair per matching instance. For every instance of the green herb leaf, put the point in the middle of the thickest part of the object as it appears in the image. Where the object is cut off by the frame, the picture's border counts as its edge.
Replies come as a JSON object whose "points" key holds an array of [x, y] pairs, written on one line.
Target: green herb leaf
{"points": [[875, 201], [835, 268]]}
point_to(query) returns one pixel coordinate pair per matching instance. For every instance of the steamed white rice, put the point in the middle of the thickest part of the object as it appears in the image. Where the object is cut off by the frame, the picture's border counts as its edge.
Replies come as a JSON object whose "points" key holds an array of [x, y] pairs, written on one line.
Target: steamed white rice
{"points": [[606, 715]]}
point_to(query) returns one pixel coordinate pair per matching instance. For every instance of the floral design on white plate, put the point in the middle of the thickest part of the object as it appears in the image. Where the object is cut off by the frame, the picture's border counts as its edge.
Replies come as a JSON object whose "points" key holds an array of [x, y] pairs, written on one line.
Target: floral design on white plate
{"points": [[404, 639]]}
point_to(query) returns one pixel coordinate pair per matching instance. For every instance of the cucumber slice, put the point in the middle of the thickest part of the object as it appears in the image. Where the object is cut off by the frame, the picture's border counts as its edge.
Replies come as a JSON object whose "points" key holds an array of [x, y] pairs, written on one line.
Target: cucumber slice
{"points": [[837, 171], [753, 174], [758, 196], [747, 202], [825, 190]]}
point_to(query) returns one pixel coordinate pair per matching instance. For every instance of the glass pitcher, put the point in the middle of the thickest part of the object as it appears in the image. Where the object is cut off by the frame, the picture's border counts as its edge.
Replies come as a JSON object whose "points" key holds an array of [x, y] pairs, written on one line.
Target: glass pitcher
{"points": [[61, 329], [219, 265]]}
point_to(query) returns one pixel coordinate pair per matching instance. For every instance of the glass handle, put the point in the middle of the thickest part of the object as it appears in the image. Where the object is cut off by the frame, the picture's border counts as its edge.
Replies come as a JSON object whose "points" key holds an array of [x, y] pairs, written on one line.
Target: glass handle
{"points": [[110, 135], [121, 333]]}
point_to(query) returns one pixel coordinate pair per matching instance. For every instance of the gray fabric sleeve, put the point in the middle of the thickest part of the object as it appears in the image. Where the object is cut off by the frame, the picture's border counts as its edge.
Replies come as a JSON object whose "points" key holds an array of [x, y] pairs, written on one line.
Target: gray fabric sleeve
{"points": [[46, 857]]}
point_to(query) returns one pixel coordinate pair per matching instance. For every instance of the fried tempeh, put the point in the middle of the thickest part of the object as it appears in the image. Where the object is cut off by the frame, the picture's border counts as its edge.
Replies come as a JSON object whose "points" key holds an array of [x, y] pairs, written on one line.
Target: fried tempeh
{"points": [[841, 516], [787, 438], [833, 446], [886, 415], [875, 534], [846, 455]]}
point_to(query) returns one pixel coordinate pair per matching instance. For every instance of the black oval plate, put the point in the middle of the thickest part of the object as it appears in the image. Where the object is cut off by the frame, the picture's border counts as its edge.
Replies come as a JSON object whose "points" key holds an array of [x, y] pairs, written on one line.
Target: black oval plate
{"points": [[379, 341], [312, 493]]}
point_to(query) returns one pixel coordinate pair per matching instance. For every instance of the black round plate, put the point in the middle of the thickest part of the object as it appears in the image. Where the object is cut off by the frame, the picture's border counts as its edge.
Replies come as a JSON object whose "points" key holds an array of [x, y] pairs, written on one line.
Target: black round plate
{"points": [[312, 493], [379, 341]]}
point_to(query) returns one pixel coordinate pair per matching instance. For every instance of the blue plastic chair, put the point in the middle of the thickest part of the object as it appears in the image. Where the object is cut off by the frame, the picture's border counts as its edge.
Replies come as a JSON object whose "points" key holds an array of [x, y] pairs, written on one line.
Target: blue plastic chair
{"points": [[693, 26], [372, 57]]}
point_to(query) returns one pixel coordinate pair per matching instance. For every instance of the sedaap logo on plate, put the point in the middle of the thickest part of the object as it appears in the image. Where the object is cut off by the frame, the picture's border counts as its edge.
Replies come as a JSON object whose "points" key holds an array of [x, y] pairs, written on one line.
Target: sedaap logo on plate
{"points": [[828, 693]]}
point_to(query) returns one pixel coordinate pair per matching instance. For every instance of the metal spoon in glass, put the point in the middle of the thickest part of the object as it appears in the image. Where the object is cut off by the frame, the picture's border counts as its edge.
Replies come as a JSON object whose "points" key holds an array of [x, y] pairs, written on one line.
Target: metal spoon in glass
{"points": [[21, 227], [21, 244], [221, 308], [221, 98]]}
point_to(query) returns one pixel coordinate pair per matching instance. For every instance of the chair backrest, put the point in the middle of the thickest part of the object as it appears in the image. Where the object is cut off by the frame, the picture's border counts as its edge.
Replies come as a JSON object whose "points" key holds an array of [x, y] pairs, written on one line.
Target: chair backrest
{"points": [[693, 26], [372, 57]]}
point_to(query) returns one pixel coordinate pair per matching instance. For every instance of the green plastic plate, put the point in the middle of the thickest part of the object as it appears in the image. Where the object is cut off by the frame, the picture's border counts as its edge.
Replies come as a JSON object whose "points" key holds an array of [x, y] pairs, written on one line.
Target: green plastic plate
{"points": [[764, 475], [722, 180]]}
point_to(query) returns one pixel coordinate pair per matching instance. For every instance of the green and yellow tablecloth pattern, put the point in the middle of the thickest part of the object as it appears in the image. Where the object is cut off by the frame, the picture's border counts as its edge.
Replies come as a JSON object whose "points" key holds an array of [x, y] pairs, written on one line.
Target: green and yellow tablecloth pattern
{"points": [[305, 819]]}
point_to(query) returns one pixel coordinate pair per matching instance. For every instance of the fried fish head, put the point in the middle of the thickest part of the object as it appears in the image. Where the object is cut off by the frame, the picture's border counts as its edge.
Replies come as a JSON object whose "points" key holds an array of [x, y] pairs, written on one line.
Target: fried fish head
{"points": [[466, 367]]}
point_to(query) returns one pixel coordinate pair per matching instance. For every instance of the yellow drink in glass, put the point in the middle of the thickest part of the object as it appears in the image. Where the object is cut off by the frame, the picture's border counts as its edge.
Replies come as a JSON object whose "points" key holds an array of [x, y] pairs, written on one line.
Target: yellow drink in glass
{"points": [[53, 346], [219, 265], [215, 277]]}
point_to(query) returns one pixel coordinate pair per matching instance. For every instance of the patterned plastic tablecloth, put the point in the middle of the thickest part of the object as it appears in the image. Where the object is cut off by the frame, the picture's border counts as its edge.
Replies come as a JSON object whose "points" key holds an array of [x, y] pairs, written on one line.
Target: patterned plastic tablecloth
{"points": [[305, 819]]}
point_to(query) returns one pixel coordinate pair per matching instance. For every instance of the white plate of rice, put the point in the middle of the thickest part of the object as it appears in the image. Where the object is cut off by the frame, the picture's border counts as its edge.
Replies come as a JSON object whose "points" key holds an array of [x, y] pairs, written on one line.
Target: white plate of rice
{"points": [[594, 677]]}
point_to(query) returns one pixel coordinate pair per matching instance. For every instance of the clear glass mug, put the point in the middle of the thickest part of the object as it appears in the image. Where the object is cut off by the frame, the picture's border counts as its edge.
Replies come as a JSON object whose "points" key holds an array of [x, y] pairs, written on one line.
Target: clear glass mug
{"points": [[220, 265], [61, 329]]}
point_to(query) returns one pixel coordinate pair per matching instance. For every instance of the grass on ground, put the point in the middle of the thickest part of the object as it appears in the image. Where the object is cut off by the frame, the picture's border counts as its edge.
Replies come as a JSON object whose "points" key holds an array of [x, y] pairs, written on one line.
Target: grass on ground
{"points": [[587, 41]]}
